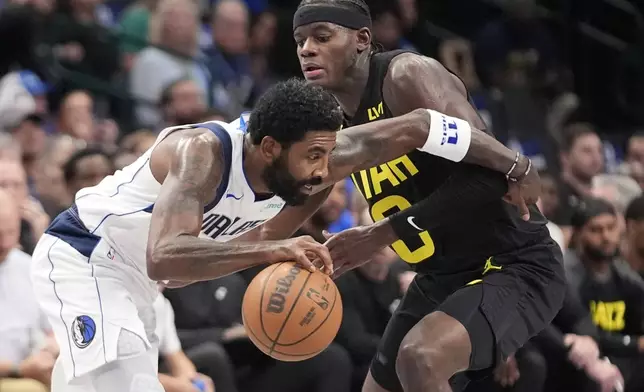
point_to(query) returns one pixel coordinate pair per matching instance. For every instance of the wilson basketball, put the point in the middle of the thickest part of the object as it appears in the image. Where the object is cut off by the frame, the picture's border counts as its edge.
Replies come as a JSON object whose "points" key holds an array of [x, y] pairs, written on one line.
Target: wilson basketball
{"points": [[290, 313]]}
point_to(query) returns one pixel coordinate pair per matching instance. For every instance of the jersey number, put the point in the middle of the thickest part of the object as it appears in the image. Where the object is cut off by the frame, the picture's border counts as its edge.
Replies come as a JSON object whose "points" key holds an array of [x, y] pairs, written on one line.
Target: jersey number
{"points": [[379, 210]]}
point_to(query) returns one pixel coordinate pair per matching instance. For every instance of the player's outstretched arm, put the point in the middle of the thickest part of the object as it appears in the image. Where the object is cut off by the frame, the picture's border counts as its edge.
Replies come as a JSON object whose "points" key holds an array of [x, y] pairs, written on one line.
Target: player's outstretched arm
{"points": [[175, 251]]}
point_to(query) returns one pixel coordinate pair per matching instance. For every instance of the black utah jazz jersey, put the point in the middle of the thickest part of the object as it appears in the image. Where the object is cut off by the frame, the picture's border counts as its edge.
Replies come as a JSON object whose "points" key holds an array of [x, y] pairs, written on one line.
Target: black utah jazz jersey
{"points": [[398, 184]]}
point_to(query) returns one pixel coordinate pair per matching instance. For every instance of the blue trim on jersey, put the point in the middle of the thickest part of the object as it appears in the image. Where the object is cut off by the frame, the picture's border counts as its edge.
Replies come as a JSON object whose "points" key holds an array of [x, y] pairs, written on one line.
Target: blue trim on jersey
{"points": [[227, 145], [68, 227]]}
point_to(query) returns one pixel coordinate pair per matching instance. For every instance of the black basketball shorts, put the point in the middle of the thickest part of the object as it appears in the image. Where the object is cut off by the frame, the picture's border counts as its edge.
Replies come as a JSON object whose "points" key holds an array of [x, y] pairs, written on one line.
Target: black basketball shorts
{"points": [[511, 299]]}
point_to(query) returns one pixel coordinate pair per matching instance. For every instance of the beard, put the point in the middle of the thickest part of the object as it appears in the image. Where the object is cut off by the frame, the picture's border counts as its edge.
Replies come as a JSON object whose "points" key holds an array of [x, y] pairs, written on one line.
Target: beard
{"points": [[598, 254], [282, 183]]}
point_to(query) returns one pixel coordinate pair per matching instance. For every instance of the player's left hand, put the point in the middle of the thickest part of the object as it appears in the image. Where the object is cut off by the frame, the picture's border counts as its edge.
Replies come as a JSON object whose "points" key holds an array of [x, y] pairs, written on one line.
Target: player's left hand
{"points": [[524, 193], [351, 248]]}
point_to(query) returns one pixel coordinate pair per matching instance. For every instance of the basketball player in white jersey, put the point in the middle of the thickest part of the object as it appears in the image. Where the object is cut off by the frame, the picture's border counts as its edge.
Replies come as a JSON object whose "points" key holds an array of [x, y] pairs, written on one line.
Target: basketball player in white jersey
{"points": [[171, 215]]}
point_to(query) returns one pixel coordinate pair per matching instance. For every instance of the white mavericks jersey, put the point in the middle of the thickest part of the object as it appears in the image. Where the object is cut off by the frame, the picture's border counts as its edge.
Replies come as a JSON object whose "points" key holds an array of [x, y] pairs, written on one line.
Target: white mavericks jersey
{"points": [[118, 209]]}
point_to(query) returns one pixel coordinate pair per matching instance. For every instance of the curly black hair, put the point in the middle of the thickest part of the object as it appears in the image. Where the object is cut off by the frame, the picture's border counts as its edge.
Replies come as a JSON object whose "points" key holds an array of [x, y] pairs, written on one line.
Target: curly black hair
{"points": [[290, 109]]}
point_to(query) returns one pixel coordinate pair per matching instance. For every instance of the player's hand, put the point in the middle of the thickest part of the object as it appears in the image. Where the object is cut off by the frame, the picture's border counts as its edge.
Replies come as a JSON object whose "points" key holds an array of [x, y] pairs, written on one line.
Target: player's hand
{"points": [[507, 373], [306, 252], [236, 332], [582, 350], [38, 367], [606, 375], [352, 247], [524, 193]]}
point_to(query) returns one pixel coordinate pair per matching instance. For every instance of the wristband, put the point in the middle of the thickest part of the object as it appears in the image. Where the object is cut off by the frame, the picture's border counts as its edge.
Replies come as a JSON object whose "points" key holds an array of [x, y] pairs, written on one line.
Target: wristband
{"points": [[199, 384], [449, 137]]}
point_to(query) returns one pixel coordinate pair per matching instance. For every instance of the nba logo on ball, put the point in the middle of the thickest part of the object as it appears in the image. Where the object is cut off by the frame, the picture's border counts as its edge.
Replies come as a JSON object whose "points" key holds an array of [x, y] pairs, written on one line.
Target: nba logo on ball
{"points": [[83, 331]]}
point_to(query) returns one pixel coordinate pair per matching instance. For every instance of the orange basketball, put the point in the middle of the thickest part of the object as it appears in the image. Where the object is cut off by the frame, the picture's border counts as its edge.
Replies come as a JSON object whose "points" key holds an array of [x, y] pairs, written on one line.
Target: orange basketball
{"points": [[290, 313]]}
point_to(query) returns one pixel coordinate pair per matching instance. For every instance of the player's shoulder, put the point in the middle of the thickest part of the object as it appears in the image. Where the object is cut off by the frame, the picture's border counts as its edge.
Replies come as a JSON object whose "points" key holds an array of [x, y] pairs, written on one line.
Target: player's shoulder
{"points": [[409, 65]]}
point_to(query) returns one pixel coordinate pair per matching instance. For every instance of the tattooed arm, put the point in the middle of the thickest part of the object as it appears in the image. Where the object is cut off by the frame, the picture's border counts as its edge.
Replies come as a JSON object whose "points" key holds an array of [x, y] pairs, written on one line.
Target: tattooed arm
{"points": [[189, 180]]}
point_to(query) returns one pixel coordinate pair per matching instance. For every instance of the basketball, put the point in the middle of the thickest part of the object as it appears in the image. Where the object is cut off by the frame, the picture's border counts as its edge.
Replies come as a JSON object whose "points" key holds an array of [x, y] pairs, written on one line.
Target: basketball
{"points": [[290, 313]]}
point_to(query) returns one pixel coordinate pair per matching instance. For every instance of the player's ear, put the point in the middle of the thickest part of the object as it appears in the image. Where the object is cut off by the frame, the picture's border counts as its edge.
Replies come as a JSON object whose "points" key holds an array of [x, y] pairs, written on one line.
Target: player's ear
{"points": [[270, 148], [363, 38]]}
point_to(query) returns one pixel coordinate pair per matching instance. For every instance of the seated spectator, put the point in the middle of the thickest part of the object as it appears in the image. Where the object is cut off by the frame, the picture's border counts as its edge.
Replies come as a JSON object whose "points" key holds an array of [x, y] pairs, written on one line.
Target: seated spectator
{"points": [[370, 295], [581, 159], [76, 116], [610, 289], [86, 168], [27, 349], [173, 28], [210, 311], [617, 189], [50, 188], [34, 220], [177, 372], [633, 244], [182, 102]]}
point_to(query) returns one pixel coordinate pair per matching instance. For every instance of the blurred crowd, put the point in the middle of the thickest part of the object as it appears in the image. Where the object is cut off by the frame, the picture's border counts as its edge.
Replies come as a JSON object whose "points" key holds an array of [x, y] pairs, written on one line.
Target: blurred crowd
{"points": [[86, 85]]}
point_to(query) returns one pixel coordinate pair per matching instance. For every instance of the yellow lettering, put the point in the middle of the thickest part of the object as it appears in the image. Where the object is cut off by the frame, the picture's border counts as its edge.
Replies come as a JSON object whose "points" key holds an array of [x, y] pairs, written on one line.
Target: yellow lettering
{"points": [[407, 163], [609, 316], [375, 112], [379, 211], [378, 176], [365, 184]]}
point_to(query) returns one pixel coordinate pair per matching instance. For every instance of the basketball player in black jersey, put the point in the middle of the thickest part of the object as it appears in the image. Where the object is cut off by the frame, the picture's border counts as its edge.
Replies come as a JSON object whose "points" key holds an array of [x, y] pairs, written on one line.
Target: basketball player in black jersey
{"points": [[487, 280]]}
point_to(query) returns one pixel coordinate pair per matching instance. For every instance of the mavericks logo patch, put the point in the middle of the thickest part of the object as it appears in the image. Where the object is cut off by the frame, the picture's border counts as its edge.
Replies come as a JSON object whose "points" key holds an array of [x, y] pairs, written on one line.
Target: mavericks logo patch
{"points": [[83, 331]]}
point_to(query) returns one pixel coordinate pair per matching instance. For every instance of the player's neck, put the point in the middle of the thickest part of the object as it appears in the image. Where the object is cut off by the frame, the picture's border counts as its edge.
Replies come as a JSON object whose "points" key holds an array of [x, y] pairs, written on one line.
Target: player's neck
{"points": [[350, 93], [253, 166]]}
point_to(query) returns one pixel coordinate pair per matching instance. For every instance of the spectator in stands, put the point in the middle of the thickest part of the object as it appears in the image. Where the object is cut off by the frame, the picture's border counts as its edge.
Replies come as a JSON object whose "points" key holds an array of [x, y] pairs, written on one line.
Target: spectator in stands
{"points": [[182, 102], [27, 351], [370, 295], [581, 160], [210, 312], [387, 26], [13, 179], [50, 188], [80, 43], [613, 292], [86, 168], [173, 28], [572, 353], [261, 41], [229, 59], [138, 142], [635, 148], [21, 24], [76, 116], [134, 26], [60, 148], [633, 245], [177, 372], [618, 189], [517, 49]]}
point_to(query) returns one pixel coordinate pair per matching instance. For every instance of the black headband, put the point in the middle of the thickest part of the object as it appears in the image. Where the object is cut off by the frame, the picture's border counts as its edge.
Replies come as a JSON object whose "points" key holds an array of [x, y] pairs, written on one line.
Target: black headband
{"points": [[345, 17]]}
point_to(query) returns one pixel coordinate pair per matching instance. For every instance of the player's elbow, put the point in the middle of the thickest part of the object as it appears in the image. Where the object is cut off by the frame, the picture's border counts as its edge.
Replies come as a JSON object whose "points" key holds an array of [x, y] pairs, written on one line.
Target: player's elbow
{"points": [[157, 262]]}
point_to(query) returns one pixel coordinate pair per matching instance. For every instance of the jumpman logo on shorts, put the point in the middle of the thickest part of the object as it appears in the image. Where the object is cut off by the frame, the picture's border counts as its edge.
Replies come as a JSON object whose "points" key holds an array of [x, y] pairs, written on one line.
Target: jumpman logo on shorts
{"points": [[490, 267]]}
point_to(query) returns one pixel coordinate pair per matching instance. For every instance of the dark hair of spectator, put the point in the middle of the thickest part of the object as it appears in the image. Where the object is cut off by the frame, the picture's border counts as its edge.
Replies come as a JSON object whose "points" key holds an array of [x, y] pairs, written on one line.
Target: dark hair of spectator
{"points": [[573, 132], [635, 210], [166, 93], [70, 168], [288, 110]]}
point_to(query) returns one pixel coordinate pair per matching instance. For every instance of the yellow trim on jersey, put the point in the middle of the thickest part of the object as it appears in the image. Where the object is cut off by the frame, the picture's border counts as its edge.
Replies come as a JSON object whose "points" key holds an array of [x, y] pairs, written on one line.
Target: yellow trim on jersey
{"points": [[475, 281]]}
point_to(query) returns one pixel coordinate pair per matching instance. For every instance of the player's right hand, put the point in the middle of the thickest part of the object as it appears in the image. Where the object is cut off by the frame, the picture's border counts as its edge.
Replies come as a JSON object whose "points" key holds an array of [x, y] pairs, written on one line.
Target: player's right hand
{"points": [[306, 252]]}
